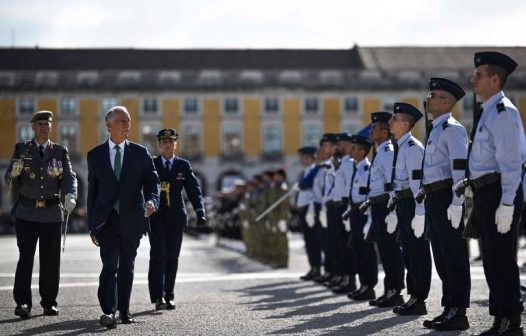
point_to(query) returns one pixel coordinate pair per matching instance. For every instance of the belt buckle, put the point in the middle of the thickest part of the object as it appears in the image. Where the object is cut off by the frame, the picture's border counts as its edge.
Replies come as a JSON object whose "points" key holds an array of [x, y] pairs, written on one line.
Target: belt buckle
{"points": [[40, 204]]}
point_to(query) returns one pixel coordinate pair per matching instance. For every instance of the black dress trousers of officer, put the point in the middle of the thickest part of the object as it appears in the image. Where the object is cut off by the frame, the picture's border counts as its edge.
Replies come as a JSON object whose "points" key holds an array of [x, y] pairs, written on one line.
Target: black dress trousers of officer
{"points": [[499, 251], [416, 251], [328, 250], [311, 235], [346, 257], [168, 224], [367, 263], [389, 248], [450, 250], [27, 235], [333, 253]]}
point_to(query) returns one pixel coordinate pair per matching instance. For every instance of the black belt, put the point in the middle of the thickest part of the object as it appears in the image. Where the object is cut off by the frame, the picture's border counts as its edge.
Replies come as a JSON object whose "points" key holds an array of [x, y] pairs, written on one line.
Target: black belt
{"points": [[438, 185], [355, 206], [378, 199], [38, 203], [402, 194], [484, 180]]}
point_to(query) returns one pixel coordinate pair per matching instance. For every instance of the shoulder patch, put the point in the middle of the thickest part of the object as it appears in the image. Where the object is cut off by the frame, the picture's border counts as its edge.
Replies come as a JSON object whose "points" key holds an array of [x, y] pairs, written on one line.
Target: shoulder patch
{"points": [[366, 167], [387, 148], [501, 107], [445, 125], [411, 143]]}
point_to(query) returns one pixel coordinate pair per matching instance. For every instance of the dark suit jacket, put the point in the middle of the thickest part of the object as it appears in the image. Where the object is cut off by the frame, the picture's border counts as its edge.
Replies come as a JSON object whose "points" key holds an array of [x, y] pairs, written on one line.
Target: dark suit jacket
{"points": [[180, 176], [138, 184]]}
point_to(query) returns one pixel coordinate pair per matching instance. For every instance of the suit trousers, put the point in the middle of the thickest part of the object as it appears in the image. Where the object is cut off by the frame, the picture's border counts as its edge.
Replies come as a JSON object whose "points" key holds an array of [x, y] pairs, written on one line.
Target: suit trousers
{"points": [[27, 235], [416, 251], [367, 263], [499, 251], [117, 252], [312, 237], [450, 250], [389, 248], [166, 237]]}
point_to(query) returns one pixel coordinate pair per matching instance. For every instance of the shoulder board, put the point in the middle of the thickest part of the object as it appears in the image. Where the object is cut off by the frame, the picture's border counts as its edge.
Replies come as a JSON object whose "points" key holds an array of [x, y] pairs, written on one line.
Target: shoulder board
{"points": [[387, 149], [411, 143], [28, 143], [366, 167], [501, 107], [65, 149], [445, 125]]}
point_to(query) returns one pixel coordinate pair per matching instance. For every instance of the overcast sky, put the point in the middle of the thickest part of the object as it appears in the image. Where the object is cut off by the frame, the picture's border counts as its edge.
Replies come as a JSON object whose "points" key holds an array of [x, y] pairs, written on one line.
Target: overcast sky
{"points": [[261, 23]]}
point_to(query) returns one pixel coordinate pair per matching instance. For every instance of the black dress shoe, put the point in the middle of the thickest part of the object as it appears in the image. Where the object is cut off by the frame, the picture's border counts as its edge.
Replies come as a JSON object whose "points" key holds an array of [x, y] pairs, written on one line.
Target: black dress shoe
{"points": [[412, 307], [323, 278], [346, 286], [509, 326], [373, 302], [108, 321], [308, 276], [126, 318], [160, 304], [23, 311], [363, 294], [391, 299], [429, 323], [51, 311], [455, 319], [170, 304]]}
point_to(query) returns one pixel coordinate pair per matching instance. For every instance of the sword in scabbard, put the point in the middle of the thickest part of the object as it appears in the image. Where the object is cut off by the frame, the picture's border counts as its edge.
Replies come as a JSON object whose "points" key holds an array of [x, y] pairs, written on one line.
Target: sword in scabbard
{"points": [[295, 188]]}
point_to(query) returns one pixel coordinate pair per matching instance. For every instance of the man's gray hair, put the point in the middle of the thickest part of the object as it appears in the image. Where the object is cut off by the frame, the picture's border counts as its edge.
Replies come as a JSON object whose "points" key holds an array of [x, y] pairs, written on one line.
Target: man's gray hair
{"points": [[109, 114]]}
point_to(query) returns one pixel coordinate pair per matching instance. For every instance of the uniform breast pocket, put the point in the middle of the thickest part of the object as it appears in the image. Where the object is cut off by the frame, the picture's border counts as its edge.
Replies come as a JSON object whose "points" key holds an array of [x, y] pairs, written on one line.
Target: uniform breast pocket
{"points": [[430, 152], [482, 139]]}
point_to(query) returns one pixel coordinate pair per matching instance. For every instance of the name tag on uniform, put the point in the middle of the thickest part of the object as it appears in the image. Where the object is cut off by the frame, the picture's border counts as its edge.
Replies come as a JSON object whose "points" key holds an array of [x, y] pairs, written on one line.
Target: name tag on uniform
{"points": [[180, 176]]}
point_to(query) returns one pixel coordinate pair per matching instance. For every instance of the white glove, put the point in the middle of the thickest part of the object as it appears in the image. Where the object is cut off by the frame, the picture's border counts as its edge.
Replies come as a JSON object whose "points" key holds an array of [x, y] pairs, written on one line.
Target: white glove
{"points": [[454, 214], [347, 224], [245, 224], [418, 224], [282, 225], [16, 169], [367, 226], [391, 221], [504, 217], [323, 217], [69, 202]]}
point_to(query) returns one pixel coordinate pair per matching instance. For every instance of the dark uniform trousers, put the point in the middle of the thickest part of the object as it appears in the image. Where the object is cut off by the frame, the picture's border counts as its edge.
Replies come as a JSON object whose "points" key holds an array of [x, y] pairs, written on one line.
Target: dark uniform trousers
{"points": [[311, 235], [346, 258], [499, 251], [117, 252], [417, 255], [328, 258], [450, 250], [332, 254], [389, 248], [366, 262], [166, 236], [27, 235]]}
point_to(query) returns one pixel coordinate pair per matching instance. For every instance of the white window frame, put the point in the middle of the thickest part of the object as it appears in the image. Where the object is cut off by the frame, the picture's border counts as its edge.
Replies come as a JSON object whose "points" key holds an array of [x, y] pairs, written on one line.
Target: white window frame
{"points": [[157, 112], [19, 104], [61, 110], [241, 135], [274, 125], [76, 125], [198, 112], [271, 113]]}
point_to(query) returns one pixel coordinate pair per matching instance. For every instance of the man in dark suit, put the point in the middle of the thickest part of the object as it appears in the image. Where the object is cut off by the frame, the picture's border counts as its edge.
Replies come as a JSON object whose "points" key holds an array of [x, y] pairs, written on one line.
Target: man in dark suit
{"points": [[170, 221], [41, 171], [123, 191]]}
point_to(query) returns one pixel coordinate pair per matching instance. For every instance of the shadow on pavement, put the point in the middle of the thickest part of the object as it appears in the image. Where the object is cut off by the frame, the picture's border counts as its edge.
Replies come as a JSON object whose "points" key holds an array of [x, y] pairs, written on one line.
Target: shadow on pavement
{"points": [[68, 328]]}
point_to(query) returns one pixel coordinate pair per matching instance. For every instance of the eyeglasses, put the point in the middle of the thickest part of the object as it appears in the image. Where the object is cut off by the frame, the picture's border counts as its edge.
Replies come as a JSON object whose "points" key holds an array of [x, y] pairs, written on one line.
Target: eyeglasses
{"points": [[432, 95]]}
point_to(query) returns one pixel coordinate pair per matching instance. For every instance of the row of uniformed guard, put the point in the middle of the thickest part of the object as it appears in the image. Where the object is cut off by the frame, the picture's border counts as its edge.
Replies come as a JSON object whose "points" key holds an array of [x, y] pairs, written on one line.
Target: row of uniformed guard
{"points": [[411, 196]]}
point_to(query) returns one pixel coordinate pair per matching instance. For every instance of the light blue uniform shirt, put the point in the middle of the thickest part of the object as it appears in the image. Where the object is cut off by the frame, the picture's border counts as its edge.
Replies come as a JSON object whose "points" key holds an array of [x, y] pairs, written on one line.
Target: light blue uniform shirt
{"points": [[305, 197], [447, 141], [319, 183], [497, 145], [342, 185], [360, 180], [330, 183], [381, 168], [410, 156]]}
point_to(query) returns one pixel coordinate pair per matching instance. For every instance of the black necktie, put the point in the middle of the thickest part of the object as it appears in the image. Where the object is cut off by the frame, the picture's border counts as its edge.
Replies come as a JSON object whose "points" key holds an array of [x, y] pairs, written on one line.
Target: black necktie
{"points": [[41, 148], [167, 166], [352, 181], [393, 170]]}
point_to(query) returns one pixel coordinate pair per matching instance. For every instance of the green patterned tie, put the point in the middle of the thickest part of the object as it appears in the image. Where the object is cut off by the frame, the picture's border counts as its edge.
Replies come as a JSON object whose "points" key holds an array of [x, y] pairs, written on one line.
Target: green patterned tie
{"points": [[117, 170]]}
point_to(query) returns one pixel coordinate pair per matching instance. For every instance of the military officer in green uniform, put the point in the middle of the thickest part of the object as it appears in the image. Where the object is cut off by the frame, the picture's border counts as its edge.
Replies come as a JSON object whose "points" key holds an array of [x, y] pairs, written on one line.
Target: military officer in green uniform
{"points": [[41, 172]]}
